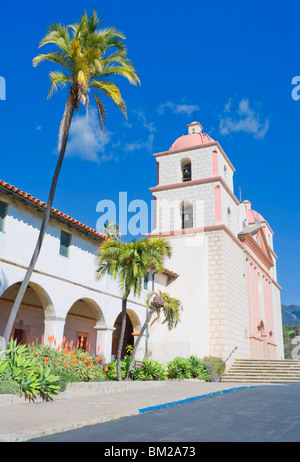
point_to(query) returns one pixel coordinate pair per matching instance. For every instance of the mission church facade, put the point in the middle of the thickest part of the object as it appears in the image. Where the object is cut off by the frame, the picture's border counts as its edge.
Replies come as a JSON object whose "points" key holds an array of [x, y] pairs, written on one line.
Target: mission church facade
{"points": [[223, 268]]}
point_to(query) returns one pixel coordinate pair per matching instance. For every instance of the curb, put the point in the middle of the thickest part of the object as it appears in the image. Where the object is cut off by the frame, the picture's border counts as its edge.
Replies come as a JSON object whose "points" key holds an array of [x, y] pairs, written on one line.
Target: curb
{"points": [[208, 395]]}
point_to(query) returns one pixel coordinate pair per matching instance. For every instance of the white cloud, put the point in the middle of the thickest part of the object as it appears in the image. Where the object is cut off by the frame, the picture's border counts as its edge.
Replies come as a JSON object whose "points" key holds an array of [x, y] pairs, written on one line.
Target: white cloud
{"points": [[245, 120], [139, 124], [86, 139], [148, 144], [186, 109]]}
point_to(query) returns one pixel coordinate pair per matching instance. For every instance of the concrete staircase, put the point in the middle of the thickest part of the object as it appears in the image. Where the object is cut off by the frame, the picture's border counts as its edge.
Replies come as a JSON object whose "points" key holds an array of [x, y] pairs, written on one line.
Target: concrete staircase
{"points": [[263, 371]]}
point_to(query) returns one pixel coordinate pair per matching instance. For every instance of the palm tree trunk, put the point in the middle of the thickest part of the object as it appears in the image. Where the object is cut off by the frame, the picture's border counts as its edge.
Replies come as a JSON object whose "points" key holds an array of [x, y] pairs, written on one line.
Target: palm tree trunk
{"points": [[45, 221], [146, 323], [121, 339]]}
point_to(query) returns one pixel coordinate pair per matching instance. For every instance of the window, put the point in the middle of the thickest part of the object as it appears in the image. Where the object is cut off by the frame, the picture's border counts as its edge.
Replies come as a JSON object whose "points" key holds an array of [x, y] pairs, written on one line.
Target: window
{"points": [[65, 242], [3, 211], [229, 218], [186, 169], [146, 279], [82, 340], [187, 214]]}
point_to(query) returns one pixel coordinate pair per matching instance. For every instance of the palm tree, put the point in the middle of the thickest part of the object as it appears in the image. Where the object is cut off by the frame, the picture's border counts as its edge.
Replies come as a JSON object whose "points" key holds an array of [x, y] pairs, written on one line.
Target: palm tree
{"points": [[112, 230], [89, 57], [158, 302], [129, 263]]}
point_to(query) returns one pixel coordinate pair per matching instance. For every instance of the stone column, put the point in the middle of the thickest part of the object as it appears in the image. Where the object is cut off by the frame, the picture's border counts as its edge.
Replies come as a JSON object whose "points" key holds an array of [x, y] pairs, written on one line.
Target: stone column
{"points": [[104, 342], [54, 326]]}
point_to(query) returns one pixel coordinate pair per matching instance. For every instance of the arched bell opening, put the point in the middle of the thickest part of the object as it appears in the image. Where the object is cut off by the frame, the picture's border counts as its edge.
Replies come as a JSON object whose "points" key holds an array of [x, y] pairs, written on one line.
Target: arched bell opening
{"points": [[186, 169]]}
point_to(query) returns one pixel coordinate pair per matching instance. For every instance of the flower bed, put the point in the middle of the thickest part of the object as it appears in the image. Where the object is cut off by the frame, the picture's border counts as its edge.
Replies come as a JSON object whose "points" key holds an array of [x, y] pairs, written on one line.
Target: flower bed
{"points": [[39, 370]]}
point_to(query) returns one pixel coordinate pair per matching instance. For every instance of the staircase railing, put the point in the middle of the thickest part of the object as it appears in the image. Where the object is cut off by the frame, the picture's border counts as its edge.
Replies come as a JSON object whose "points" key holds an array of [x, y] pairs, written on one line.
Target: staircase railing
{"points": [[224, 362]]}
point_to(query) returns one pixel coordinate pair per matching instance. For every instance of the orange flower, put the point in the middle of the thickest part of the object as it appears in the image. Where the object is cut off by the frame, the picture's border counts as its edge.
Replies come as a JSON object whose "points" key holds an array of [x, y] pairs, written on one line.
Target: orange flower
{"points": [[105, 368], [58, 349], [98, 348], [46, 360], [36, 340], [65, 364], [73, 362], [38, 352], [85, 360], [56, 362], [42, 339], [100, 358], [104, 360], [90, 365]]}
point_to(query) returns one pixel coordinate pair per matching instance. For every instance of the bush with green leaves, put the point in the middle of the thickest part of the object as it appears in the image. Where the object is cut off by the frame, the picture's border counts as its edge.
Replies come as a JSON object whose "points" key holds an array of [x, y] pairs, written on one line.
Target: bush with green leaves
{"points": [[198, 368], [33, 378], [151, 370], [70, 365], [215, 367], [7, 384], [180, 368]]}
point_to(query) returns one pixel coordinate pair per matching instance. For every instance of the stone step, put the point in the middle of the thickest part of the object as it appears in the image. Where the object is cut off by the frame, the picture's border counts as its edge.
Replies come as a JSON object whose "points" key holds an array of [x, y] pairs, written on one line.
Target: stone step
{"points": [[263, 371], [261, 380], [286, 369]]}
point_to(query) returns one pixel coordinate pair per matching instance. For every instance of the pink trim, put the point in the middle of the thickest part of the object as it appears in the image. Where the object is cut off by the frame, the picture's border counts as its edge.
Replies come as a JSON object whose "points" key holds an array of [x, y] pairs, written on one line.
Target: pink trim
{"points": [[196, 182], [205, 229], [257, 250], [218, 207], [276, 284], [207, 145], [215, 166]]}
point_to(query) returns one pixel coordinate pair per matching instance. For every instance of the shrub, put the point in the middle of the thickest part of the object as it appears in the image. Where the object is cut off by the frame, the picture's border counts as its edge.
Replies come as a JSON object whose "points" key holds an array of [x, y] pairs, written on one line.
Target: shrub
{"points": [[198, 369], [8, 384], [32, 377], [180, 368], [151, 370], [215, 368], [111, 373]]}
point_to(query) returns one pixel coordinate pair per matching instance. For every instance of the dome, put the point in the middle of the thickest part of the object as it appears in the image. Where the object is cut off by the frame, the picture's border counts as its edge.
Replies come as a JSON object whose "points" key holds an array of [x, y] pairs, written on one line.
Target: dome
{"points": [[191, 140], [195, 137], [251, 214]]}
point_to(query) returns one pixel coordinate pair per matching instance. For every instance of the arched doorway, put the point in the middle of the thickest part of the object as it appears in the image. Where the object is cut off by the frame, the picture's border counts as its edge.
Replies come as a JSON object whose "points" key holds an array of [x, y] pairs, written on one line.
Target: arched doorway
{"points": [[81, 322], [29, 322], [128, 337]]}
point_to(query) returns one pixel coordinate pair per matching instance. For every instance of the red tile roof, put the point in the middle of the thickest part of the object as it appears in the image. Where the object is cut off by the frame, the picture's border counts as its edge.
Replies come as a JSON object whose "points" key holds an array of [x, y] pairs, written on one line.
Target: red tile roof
{"points": [[57, 214]]}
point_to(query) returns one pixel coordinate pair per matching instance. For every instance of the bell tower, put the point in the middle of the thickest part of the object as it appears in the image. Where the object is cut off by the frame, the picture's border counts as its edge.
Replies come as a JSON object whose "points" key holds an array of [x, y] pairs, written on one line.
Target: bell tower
{"points": [[195, 186]]}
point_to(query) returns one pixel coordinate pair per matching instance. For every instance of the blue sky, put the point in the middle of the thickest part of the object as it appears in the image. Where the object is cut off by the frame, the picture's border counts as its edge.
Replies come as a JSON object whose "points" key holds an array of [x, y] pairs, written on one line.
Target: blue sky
{"points": [[228, 65]]}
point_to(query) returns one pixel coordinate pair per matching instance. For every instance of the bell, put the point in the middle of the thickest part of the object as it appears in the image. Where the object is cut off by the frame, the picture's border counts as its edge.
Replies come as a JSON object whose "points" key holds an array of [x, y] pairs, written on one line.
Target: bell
{"points": [[186, 171]]}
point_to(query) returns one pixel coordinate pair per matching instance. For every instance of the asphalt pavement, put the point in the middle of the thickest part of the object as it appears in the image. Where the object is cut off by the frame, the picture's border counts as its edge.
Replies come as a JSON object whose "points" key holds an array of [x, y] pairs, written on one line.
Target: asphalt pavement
{"points": [[60, 417]]}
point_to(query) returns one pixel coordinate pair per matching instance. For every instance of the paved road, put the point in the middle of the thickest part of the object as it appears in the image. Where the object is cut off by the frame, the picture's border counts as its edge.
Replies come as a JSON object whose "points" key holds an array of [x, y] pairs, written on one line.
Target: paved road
{"points": [[266, 414]]}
